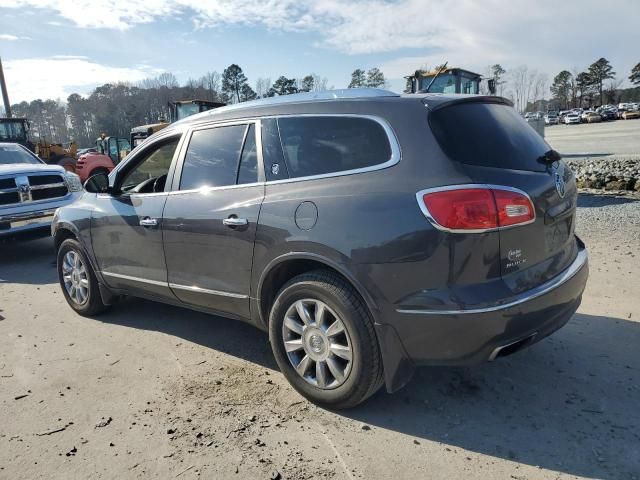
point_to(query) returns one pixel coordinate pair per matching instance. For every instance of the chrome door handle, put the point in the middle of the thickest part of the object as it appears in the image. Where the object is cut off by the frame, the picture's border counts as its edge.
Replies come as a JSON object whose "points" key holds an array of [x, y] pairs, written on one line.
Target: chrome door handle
{"points": [[148, 222], [235, 222]]}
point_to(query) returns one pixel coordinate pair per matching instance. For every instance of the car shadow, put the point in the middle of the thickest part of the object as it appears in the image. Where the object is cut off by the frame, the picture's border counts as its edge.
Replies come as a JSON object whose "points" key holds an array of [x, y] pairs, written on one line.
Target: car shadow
{"points": [[22, 262], [594, 200], [568, 403]]}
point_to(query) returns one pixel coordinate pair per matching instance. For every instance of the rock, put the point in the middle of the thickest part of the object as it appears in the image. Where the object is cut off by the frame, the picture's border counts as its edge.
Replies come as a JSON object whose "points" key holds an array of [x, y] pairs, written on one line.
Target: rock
{"points": [[171, 431], [103, 422], [275, 475], [365, 427]]}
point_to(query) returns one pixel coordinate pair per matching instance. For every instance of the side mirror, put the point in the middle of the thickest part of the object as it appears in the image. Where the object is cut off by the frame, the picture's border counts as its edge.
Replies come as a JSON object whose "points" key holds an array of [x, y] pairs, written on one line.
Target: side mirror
{"points": [[98, 183]]}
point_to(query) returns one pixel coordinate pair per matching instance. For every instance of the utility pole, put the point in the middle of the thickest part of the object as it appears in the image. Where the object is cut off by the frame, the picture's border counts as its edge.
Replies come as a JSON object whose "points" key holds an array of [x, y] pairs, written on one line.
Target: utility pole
{"points": [[5, 94]]}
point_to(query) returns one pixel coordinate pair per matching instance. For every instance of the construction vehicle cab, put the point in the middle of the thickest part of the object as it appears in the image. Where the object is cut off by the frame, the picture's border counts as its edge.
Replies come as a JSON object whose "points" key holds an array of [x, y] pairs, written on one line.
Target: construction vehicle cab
{"points": [[447, 80], [15, 130], [177, 111], [113, 147]]}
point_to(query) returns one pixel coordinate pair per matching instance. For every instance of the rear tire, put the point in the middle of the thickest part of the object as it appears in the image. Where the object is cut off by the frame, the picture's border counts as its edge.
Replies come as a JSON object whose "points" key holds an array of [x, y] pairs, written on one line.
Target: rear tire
{"points": [[78, 280], [337, 320]]}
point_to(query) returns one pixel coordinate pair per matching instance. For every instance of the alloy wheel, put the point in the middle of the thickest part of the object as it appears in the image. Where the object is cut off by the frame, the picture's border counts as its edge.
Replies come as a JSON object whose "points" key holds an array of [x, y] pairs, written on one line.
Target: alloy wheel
{"points": [[317, 343], [75, 277]]}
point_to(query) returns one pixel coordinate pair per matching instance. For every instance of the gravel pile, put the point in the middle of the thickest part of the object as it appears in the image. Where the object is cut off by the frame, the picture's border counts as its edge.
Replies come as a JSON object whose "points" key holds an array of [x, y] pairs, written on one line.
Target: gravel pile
{"points": [[609, 173]]}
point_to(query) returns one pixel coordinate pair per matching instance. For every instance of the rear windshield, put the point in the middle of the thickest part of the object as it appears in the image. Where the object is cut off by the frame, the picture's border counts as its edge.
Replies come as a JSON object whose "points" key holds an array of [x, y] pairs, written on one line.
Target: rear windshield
{"points": [[488, 135]]}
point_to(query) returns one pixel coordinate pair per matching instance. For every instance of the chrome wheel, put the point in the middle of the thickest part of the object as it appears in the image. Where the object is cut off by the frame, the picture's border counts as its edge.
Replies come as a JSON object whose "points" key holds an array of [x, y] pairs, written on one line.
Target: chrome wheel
{"points": [[317, 343], [75, 278]]}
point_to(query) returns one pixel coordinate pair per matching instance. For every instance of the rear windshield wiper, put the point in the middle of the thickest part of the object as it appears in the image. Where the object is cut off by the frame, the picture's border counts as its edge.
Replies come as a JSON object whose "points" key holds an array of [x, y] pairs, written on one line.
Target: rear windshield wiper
{"points": [[549, 157]]}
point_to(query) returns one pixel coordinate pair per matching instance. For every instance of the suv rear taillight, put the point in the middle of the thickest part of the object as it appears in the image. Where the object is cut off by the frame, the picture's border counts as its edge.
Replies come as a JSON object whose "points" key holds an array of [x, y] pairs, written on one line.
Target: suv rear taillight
{"points": [[476, 208]]}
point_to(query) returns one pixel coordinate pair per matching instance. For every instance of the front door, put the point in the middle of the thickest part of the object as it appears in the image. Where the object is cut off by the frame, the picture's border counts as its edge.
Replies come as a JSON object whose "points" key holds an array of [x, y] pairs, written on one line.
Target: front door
{"points": [[210, 219], [126, 227]]}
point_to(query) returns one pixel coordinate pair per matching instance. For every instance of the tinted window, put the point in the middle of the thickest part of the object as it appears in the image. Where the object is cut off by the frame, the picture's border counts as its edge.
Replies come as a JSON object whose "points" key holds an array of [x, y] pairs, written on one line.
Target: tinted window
{"points": [[274, 166], [489, 135], [318, 145], [212, 157], [248, 171]]}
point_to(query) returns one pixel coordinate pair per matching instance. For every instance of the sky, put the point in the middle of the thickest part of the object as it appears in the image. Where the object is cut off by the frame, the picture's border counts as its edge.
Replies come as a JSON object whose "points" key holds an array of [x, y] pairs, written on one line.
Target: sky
{"points": [[52, 48]]}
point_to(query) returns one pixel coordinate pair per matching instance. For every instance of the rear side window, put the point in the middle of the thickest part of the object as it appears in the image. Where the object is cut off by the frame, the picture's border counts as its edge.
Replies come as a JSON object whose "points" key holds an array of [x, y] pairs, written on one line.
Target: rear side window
{"points": [[248, 170], [212, 157], [488, 135], [321, 145]]}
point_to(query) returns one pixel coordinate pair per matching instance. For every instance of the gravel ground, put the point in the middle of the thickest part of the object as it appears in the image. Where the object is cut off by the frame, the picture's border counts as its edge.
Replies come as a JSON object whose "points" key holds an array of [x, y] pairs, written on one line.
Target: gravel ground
{"points": [[151, 391]]}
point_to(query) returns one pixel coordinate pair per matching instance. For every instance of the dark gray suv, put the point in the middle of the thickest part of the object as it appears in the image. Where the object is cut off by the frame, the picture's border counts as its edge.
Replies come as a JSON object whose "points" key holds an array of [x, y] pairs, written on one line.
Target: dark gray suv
{"points": [[367, 232]]}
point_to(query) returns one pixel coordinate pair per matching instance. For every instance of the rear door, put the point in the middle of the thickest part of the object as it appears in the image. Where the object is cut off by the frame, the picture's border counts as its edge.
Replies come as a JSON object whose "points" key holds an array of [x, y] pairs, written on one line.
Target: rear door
{"points": [[211, 216], [497, 147]]}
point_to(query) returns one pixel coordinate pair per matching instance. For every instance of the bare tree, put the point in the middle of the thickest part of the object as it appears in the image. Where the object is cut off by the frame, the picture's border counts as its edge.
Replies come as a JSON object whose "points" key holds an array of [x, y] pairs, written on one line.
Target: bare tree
{"points": [[262, 87]]}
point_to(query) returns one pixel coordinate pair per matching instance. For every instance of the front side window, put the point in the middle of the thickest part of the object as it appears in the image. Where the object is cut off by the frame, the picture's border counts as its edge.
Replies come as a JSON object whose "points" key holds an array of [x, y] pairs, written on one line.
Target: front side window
{"points": [[212, 157], [150, 174], [326, 144]]}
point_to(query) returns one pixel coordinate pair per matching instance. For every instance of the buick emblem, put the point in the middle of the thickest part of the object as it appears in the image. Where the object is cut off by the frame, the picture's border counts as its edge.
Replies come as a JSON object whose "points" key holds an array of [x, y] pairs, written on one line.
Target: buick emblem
{"points": [[559, 180], [560, 186]]}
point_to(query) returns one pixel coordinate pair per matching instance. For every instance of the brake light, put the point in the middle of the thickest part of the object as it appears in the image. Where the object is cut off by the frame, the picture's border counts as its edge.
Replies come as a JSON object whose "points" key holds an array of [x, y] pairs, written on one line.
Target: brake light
{"points": [[476, 208]]}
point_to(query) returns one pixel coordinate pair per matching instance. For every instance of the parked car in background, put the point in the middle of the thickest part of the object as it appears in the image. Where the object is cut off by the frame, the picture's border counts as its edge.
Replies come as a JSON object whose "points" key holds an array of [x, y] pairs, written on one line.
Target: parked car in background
{"points": [[630, 114], [571, 118], [551, 119], [271, 211], [591, 117], [30, 192], [609, 114]]}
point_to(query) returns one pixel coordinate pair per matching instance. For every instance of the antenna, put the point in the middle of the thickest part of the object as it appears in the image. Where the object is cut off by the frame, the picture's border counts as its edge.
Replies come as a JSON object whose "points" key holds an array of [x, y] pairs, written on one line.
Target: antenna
{"points": [[5, 94], [436, 76]]}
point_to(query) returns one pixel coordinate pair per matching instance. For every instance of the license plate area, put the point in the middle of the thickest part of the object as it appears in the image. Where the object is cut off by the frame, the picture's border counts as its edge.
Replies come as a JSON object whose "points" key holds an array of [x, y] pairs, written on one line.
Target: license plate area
{"points": [[558, 234]]}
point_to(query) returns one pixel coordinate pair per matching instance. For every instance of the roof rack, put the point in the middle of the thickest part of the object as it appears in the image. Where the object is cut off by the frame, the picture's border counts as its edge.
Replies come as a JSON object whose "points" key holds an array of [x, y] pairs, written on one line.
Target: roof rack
{"points": [[345, 93]]}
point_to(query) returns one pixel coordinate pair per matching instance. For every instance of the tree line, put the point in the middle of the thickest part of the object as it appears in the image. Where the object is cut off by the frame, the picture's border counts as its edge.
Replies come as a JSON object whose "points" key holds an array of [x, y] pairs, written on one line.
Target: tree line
{"points": [[115, 108], [529, 88]]}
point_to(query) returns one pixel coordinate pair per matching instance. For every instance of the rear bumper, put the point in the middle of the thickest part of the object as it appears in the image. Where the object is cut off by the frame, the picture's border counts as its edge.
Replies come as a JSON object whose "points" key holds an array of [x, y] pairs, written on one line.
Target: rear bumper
{"points": [[467, 337]]}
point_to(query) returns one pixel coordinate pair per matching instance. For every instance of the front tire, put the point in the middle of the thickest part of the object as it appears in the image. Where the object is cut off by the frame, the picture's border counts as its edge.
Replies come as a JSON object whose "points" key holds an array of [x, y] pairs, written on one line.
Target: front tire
{"points": [[78, 280], [324, 342]]}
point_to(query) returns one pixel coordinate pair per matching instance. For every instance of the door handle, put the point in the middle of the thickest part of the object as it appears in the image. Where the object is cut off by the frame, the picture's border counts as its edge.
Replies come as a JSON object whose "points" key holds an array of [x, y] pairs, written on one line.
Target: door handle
{"points": [[148, 222], [234, 221]]}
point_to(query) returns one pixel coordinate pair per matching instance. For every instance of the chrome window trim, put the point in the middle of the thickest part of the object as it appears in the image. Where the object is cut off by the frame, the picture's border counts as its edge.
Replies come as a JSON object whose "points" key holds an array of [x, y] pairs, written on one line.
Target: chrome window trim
{"points": [[396, 151], [206, 290], [463, 186], [580, 261], [175, 190], [134, 279]]}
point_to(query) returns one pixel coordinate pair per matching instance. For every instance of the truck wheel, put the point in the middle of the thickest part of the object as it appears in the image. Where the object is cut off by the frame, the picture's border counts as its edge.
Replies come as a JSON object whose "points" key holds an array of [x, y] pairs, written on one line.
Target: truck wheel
{"points": [[68, 163], [324, 342], [77, 279]]}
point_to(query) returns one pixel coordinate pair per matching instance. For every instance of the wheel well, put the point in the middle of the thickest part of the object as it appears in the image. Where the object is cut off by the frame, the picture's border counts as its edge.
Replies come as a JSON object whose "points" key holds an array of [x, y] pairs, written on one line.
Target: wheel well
{"points": [[61, 235], [285, 271]]}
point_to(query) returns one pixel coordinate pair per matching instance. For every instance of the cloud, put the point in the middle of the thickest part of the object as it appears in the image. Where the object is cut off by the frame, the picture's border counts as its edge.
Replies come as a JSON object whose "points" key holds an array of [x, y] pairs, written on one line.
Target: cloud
{"points": [[546, 34], [12, 38], [59, 76]]}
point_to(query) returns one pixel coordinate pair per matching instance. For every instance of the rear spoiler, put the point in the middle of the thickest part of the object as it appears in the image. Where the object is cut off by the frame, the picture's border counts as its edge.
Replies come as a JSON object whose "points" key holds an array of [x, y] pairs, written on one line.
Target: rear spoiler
{"points": [[465, 99]]}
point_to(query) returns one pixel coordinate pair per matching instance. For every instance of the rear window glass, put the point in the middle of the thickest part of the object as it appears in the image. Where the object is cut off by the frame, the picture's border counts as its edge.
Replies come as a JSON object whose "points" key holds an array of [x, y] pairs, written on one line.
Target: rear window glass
{"points": [[488, 135], [320, 145]]}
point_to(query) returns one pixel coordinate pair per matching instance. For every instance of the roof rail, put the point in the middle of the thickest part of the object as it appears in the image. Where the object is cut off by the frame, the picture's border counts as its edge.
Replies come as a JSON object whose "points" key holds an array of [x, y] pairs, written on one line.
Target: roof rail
{"points": [[345, 93]]}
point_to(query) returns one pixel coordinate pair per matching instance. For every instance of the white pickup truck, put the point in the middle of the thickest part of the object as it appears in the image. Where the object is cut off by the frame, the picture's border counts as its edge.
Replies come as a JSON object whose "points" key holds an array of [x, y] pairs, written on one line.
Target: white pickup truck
{"points": [[30, 192]]}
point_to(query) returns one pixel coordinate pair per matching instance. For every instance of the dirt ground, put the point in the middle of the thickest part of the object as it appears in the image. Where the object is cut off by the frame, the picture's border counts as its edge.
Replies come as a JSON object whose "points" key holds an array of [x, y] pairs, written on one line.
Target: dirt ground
{"points": [[152, 391]]}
